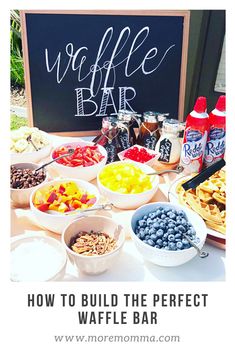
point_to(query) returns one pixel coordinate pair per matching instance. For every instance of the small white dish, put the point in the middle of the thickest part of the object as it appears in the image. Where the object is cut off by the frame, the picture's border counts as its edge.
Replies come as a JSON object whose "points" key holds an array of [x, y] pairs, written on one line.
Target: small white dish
{"points": [[37, 258]]}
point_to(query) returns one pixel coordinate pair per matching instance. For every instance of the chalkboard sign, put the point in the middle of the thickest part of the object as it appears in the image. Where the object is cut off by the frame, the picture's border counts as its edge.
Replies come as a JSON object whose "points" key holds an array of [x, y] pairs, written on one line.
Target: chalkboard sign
{"points": [[83, 65], [165, 150]]}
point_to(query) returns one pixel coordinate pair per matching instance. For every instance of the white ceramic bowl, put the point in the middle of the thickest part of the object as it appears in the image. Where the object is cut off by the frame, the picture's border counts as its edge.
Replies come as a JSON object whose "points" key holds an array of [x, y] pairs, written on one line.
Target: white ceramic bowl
{"points": [[21, 197], [150, 162], [37, 258], [57, 222], [32, 157], [130, 201], [84, 173], [98, 263], [164, 257]]}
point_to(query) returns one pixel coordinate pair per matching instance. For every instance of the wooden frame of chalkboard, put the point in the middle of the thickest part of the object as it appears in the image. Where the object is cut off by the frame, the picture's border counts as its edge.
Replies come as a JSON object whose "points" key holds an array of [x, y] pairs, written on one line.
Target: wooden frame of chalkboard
{"points": [[184, 14]]}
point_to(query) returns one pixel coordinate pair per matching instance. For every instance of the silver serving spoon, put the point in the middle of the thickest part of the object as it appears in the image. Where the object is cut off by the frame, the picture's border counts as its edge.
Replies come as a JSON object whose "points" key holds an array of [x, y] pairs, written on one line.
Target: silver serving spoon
{"points": [[105, 207], [178, 170], [201, 253], [70, 152], [29, 139]]}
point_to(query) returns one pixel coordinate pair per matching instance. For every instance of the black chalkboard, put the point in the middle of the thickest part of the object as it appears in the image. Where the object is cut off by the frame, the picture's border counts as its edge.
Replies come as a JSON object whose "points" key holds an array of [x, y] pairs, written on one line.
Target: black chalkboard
{"points": [[80, 67]]}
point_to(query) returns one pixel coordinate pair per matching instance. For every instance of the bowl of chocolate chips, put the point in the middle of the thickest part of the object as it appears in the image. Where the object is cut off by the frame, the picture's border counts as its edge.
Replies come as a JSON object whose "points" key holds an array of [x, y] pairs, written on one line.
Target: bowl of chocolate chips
{"points": [[23, 180]]}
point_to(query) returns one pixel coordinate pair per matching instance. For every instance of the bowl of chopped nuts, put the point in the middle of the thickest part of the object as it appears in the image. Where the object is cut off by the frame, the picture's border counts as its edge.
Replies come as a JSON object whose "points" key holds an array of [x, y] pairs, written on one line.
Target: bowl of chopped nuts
{"points": [[93, 243], [24, 180]]}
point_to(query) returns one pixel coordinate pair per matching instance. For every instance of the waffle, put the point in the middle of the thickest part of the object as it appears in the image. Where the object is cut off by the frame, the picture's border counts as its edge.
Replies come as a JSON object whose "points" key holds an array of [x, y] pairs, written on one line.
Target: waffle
{"points": [[208, 200]]}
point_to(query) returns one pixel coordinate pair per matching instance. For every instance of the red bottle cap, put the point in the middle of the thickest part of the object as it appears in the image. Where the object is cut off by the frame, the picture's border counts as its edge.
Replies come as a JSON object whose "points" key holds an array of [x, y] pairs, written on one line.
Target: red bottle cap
{"points": [[220, 105], [200, 105]]}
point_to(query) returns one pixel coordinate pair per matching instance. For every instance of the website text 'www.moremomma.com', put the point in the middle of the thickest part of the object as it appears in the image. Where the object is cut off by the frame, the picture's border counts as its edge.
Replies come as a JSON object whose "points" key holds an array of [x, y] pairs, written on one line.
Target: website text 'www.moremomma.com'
{"points": [[117, 338]]}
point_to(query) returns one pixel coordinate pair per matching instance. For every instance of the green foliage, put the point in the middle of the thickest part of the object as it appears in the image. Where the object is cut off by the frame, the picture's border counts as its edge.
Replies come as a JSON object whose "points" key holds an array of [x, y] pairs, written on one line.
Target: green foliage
{"points": [[17, 122], [17, 66]]}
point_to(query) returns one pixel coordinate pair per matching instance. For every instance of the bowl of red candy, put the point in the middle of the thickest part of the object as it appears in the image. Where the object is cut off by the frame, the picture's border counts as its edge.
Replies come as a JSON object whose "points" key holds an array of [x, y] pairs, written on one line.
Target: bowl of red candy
{"points": [[139, 154], [85, 163]]}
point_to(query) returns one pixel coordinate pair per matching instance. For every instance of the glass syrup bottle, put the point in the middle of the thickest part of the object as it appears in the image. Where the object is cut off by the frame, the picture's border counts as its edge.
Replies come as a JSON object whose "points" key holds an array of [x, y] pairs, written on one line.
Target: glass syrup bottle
{"points": [[149, 130]]}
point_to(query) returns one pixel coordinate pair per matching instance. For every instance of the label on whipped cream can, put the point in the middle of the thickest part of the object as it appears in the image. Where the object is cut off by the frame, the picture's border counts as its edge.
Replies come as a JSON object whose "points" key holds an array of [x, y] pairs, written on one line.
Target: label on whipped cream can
{"points": [[215, 147], [193, 150]]}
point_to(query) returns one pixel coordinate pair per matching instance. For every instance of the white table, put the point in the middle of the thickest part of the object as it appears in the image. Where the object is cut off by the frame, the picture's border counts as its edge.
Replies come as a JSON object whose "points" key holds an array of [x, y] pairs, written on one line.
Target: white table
{"points": [[131, 266]]}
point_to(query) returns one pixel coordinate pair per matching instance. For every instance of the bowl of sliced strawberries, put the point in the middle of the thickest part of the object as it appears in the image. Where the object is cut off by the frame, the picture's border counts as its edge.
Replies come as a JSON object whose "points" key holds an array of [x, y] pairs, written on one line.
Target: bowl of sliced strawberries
{"points": [[85, 163]]}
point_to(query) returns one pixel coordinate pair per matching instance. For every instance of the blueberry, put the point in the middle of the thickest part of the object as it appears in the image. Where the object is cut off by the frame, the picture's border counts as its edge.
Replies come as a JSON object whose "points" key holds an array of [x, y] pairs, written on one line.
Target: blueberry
{"points": [[162, 225], [186, 244], [165, 236], [181, 213], [152, 215], [145, 217], [157, 246], [171, 237], [151, 242], [176, 229], [153, 237], [184, 222], [160, 233], [192, 231], [156, 225], [160, 242], [179, 245], [152, 230], [178, 236], [170, 231], [171, 224], [146, 231], [147, 237], [142, 223], [172, 246], [158, 213], [178, 221], [141, 236], [189, 232], [182, 229], [163, 216], [145, 241], [166, 248], [164, 243], [172, 215], [149, 221]]}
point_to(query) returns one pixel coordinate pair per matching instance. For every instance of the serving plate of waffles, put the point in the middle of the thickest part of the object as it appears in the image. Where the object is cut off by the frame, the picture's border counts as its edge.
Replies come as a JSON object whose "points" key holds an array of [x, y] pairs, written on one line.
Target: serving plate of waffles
{"points": [[208, 200]]}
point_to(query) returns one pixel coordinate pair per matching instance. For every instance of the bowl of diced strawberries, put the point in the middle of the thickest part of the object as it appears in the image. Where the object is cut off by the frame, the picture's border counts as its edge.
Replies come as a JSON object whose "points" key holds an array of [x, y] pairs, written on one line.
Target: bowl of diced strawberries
{"points": [[85, 163]]}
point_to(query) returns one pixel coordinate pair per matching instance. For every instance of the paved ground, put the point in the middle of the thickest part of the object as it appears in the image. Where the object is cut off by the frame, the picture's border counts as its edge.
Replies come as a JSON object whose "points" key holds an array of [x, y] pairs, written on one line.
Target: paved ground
{"points": [[19, 111]]}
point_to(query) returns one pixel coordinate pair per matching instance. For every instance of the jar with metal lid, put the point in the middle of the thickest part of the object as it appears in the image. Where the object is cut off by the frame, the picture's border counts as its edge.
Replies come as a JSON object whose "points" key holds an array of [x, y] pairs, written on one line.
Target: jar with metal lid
{"points": [[169, 145], [149, 130], [127, 135], [108, 138]]}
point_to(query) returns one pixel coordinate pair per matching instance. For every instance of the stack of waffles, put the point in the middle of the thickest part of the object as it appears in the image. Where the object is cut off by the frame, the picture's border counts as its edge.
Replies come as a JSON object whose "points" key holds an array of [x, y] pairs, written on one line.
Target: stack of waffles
{"points": [[208, 200]]}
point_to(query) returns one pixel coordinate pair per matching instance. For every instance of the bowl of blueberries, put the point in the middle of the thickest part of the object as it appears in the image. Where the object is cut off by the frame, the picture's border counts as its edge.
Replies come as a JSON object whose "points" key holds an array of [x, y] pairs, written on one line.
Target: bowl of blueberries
{"points": [[161, 232]]}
